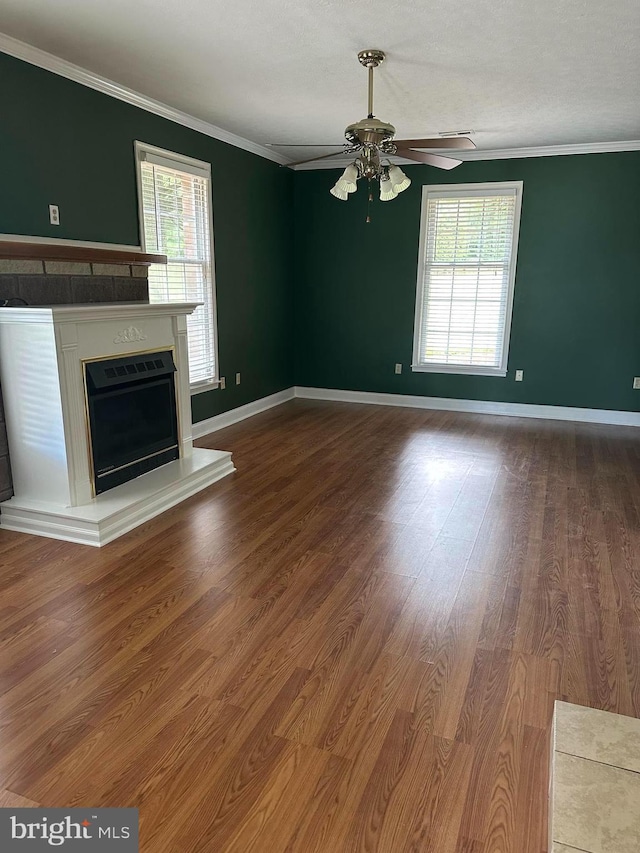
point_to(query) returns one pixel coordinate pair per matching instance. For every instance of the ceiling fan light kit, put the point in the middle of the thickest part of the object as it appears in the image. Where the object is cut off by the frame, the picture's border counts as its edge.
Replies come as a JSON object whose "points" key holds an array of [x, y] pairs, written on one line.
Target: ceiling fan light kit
{"points": [[392, 181], [398, 178], [338, 192], [387, 189], [373, 141], [347, 181]]}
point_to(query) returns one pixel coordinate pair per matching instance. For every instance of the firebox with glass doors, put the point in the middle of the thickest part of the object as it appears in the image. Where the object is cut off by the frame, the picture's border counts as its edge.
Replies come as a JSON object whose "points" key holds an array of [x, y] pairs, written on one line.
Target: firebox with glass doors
{"points": [[131, 408]]}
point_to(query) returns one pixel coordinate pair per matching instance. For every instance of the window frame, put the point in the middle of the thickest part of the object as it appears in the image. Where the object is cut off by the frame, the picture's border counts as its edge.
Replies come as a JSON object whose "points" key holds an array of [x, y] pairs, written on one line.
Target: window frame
{"points": [[202, 169], [462, 189]]}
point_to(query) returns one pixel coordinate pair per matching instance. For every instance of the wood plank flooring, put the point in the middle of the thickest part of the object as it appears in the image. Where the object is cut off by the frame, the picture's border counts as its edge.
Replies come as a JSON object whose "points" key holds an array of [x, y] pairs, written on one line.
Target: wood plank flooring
{"points": [[352, 644]]}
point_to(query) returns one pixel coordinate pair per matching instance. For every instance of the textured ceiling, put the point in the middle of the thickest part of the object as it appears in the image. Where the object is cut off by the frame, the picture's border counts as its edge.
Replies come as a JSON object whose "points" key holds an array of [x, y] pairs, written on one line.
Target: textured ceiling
{"points": [[519, 73]]}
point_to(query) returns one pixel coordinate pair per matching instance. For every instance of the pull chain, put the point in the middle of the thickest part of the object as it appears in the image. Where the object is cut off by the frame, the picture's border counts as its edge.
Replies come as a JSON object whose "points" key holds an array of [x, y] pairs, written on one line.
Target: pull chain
{"points": [[369, 200]]}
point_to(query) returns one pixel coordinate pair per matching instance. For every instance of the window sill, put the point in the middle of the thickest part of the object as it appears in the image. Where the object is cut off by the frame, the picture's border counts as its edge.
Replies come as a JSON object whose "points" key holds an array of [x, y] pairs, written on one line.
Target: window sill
{"points": [[460, 369], [201, 387]]}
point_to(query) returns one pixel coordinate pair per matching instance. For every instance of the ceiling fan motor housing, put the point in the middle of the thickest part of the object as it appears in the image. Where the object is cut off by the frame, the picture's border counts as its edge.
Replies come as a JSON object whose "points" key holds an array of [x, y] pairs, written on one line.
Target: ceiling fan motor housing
{"points": [[369, 131]]}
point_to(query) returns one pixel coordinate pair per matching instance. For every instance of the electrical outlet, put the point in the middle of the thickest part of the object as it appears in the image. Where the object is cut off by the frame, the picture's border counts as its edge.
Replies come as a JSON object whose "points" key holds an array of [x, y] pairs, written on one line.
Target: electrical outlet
{"points": [[398, 368], [636, 383], [237, 378], [223, 384], [54, 214], [519, 375]]}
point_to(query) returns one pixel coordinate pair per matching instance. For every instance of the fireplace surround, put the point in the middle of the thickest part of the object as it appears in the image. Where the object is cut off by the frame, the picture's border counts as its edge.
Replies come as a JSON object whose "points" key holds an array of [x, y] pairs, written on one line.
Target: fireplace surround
{"points": [[44, 355]]}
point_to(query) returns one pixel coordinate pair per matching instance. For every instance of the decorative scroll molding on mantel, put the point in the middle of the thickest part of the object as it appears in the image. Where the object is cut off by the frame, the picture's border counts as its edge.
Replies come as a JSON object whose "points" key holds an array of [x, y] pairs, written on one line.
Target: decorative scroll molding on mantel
{"points": [[130, 335], [68, 251]]}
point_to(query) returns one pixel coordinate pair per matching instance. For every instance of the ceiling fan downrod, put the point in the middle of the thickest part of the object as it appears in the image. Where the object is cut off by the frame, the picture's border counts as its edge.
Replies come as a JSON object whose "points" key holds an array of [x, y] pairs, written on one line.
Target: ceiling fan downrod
{"points": [[371, 59]]}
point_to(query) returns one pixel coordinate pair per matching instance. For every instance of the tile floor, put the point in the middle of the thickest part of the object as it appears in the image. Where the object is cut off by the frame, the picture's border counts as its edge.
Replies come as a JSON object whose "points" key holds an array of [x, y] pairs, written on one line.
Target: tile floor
{"points": [[596, 781]]}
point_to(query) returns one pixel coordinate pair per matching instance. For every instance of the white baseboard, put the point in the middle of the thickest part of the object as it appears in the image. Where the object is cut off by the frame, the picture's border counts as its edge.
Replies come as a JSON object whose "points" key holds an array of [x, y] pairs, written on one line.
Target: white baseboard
{"points": [[484, 407], [447, 404], [201, 428]]}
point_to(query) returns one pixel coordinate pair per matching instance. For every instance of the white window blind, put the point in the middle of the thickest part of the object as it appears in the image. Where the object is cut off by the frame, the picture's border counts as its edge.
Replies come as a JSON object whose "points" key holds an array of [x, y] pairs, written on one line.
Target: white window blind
{"points": [[466, 277], [176, 213]]}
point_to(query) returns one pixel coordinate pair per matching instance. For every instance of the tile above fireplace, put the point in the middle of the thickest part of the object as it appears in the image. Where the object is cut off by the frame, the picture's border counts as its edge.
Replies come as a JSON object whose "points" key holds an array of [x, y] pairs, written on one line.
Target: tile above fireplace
{"points": [[36, 282]]}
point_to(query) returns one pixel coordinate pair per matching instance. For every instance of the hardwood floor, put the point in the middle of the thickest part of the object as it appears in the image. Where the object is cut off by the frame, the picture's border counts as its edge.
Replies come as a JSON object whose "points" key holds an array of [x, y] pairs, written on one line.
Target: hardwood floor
{"points": [[352, 644]]}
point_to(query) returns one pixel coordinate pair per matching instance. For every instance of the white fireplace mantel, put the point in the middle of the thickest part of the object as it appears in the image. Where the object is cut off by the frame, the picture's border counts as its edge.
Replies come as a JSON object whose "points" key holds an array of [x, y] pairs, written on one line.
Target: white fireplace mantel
{"points": [[42, 351]]}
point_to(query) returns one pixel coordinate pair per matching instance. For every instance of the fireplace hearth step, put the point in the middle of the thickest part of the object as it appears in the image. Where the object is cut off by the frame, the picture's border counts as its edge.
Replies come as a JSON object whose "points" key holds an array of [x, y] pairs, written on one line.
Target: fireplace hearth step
{"points": [[122, 508]]}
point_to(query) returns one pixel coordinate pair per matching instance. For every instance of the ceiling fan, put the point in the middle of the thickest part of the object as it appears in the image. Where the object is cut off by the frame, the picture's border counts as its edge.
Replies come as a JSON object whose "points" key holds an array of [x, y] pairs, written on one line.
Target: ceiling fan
{"points": [[373, 140]]}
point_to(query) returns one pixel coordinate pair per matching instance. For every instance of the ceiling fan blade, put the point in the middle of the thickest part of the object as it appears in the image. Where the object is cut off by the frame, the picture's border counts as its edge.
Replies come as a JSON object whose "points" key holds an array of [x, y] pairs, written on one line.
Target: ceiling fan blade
{"points": [[313, 159], [304, 144], [440, 142], [430, 159]]}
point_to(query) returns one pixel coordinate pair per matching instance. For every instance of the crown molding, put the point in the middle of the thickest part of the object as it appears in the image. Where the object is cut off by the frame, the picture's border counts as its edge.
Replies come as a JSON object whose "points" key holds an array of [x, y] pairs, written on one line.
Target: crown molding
{"points": [[42, 59], [500, 154], [35, 56]]}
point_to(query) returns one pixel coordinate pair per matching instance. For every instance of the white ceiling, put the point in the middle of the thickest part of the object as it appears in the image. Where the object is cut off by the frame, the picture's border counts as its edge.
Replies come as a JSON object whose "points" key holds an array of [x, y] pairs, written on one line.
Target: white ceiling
{"points": [[519, 73]]}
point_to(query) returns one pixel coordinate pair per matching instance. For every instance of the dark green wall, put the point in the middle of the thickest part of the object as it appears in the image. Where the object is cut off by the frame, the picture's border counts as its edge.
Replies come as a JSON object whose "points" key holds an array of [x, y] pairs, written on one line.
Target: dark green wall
{"points": [[576, 317], [342, 289], [65, 144]]}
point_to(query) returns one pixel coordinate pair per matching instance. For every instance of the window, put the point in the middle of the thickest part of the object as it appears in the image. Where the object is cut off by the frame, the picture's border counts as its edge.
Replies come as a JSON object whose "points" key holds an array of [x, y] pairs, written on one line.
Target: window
{"points": [[175, 210], [466, 273]]}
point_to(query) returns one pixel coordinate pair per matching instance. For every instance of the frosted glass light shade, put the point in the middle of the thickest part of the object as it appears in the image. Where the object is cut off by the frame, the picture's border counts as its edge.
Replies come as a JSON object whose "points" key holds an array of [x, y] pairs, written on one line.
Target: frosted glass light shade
{"points": [[387, 190], [398, 178], [338, 192], [347, 180]]}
